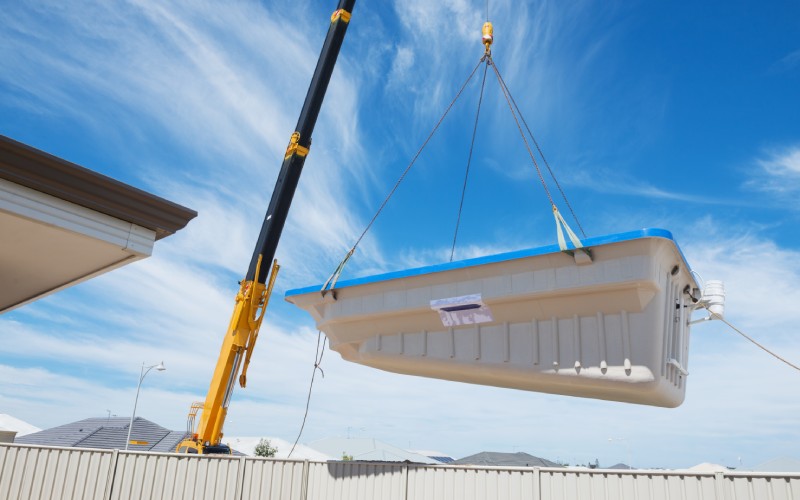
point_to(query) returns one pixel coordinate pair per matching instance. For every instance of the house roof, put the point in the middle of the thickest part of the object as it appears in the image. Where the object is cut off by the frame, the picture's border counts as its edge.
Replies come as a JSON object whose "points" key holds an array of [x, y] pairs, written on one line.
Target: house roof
{"points": [[436, 455], [620, 466], [492, 458], [247, 446], [783, 464], [107, 433], [368, 449], [9, 423], [63, 224], [43, 172], [708, 467]]}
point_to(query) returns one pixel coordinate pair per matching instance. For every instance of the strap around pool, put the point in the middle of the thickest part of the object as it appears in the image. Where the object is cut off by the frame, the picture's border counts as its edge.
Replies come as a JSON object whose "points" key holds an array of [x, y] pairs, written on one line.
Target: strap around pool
{"points": [[561, 226]]}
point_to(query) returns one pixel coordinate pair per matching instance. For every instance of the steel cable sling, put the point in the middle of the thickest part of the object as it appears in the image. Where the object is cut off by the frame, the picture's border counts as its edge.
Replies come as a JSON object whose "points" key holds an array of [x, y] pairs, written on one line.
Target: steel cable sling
{"points": [[560, 222], [469, 159], [331, 282], [536, 143]]}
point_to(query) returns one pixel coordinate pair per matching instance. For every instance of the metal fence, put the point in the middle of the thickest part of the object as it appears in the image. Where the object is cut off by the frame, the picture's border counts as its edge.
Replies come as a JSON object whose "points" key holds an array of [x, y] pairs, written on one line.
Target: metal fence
{"points": [[37, 472]]}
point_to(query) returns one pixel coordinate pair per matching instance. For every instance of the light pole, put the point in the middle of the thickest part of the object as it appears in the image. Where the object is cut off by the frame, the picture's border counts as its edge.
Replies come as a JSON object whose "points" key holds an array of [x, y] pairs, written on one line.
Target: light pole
{"points": [[627, 448], [160, 367]]}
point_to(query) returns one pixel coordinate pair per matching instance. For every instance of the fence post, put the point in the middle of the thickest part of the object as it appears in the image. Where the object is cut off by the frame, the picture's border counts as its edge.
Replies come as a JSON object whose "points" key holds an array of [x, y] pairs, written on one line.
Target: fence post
{"points": [[719, 485], [239, 492], [304, 483], [112, 472], [537, 483], [405, 482]]}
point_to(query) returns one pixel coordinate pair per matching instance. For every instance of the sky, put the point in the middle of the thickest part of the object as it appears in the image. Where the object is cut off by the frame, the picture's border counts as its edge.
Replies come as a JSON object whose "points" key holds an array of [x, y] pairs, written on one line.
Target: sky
{"points": [[679, 115]]}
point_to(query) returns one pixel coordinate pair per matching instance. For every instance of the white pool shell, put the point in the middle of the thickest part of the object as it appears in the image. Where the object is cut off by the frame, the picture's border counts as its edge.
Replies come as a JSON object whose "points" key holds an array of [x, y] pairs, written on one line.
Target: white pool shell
{"points": [[616, 328]]}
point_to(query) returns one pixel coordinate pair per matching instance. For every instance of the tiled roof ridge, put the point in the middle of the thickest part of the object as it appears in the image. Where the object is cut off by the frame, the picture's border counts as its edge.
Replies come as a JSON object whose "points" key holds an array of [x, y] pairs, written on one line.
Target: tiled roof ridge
{"points": [[165, 436], [84, 438]]}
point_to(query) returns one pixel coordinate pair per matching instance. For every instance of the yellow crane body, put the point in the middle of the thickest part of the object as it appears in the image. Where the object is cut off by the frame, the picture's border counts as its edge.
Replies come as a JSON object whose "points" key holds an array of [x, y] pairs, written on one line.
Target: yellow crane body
{"points": [[255, 289], [237, 347]]}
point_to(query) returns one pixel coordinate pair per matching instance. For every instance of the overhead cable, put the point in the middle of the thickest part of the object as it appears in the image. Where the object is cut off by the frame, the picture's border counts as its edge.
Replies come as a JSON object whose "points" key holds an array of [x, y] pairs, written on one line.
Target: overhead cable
{"points": [[317, 360]]}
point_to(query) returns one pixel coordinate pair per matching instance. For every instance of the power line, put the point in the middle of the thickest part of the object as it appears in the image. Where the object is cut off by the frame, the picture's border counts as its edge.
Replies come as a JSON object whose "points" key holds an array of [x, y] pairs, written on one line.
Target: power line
{"points": [[717, 316]]}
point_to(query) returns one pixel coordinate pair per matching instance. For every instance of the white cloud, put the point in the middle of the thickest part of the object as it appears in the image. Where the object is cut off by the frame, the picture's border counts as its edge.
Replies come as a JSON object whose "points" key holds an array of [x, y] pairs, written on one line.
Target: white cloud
{"points": [[726, 395], [227, 100], [402, 64], [761, 277], [617, 182], [728, 398], [432, 22], [788, 62], [414, 257], [779, 173]]}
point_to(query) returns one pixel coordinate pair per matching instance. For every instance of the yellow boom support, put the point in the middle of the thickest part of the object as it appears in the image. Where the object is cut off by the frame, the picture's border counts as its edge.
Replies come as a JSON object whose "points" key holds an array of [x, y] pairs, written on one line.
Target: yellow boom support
{"points": [[251, 303]]}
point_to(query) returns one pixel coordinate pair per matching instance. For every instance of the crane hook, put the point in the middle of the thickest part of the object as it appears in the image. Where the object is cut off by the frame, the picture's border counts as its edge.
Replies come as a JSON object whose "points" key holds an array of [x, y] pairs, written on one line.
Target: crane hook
{"points": [[488, 36]]}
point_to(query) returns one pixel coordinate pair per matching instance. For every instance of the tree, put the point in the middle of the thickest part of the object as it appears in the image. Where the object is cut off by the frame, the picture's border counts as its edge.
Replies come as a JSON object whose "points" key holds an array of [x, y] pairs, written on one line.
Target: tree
{"points": [[265, 449]]}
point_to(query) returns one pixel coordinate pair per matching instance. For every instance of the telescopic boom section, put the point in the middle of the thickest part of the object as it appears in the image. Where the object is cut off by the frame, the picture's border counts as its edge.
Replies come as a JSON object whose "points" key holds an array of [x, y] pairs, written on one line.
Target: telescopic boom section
{"points": [[254, 292]]}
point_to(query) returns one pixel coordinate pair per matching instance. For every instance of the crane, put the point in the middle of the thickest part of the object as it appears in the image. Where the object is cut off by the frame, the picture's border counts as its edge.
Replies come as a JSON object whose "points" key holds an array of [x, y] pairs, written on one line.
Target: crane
{"points": [[254, 291]]}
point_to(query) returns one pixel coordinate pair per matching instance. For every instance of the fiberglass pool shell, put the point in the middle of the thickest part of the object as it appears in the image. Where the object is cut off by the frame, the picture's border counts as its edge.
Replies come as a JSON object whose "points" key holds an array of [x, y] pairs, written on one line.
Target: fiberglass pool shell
{"points": [[613, 328]]}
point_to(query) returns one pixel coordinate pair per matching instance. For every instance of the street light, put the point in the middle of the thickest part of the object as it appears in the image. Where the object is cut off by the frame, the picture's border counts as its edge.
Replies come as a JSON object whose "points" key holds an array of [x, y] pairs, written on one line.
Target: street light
{"points": [[627, 448], [160, 367]]}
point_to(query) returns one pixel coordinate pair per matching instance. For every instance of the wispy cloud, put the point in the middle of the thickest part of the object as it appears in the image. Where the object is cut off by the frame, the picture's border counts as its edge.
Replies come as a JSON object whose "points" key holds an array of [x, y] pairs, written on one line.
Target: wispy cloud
{"points": [[760, 278], [619, 183], [760, 275], [778, 173], [787, 63], [222, 104], [199, 113], [227, 100], [426, 257], [400, 74]]}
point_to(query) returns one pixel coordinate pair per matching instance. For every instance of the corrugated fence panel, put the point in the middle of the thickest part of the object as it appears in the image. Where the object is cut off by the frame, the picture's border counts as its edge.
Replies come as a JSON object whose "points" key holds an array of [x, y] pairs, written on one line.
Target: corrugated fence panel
{"points": [[43, 473], [696, 486], [766, 486], [640, 485], [267, 479], [434, 483], [356, 480], [28, 472], [171, 476]]}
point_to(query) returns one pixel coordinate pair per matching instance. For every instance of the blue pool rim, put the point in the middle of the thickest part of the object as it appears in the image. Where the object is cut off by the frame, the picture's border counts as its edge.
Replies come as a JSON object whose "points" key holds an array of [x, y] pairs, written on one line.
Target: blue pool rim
{"points": [[501, 257]]}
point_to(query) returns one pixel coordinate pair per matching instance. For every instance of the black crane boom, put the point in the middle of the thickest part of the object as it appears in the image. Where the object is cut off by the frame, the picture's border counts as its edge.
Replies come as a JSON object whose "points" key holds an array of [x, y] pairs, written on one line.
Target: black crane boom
{"points": [[296, 153]]}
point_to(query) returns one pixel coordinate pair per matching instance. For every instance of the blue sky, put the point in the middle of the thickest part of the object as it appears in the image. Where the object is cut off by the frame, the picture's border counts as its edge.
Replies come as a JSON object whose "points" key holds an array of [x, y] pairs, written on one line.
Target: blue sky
{"points": [[671, 114]]}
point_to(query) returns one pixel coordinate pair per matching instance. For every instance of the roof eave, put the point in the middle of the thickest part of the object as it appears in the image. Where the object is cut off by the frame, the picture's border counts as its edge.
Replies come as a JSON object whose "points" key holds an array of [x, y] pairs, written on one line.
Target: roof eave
{"points": [[41, 171]]}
